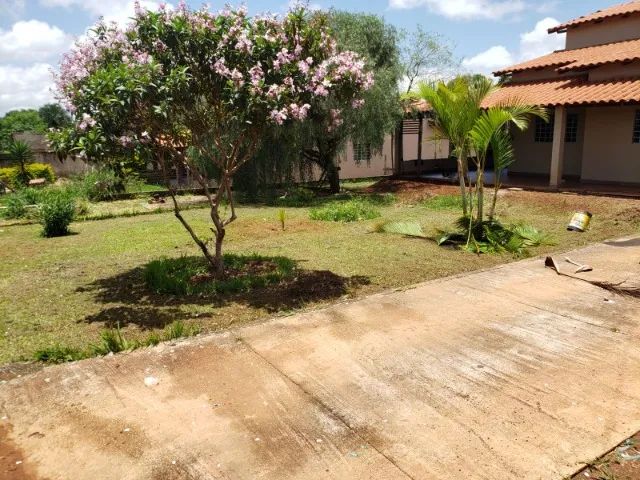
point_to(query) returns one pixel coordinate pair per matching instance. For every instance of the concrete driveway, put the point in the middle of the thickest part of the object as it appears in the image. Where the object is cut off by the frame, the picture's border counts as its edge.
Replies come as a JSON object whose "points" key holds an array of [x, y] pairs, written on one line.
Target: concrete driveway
{"points": [[510, 373]]}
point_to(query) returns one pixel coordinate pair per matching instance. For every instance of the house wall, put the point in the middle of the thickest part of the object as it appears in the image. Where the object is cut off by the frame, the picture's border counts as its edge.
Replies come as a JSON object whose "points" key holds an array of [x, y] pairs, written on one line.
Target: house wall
{"points": [[611, 30], [381, 163], [615, 71], [43, 154], [535, 158], [609, 155]]}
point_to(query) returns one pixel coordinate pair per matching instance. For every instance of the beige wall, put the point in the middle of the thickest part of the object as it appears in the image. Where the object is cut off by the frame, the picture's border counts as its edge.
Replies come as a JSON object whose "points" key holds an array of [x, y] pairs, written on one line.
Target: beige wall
{"points": [[381, 163], [432, 146], [609, 154], [535, 158], [611, 30], [615, 71]]}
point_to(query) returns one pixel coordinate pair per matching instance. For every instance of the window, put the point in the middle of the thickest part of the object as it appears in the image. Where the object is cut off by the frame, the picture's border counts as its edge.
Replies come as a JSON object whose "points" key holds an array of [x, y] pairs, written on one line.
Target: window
{"points": [[636, 128], [361, 152], [571, 133], [544, 131]]}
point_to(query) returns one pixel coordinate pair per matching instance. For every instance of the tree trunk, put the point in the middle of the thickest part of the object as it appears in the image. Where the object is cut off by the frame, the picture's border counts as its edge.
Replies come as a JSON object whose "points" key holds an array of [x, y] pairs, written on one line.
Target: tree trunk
{"points": [[333, 176], [463, 185], [480, 182], [218, 260]]}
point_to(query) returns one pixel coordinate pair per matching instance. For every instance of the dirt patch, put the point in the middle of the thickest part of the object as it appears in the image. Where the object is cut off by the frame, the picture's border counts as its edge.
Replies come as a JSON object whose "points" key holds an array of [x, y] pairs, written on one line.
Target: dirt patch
{"points": [[623, 463], [15, 370], [411, 191], [13, 465], [251, 268]]}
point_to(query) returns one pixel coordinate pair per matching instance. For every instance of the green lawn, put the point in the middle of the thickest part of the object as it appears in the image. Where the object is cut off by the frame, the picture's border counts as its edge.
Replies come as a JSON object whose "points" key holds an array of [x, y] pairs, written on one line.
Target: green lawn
{"points": [[66, 290]]}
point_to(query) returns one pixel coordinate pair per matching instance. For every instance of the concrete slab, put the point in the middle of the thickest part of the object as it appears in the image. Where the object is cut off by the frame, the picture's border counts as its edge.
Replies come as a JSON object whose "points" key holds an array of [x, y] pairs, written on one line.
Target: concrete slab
{"points": [[510, 373]]}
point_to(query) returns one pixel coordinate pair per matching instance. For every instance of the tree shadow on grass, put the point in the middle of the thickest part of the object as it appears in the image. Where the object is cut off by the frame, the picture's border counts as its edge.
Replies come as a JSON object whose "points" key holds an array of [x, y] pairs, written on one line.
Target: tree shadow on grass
{"points": [[128, 300]]}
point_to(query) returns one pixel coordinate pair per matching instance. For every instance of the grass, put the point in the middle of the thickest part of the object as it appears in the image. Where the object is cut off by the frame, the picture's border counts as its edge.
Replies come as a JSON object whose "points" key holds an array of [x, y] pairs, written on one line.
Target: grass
{"points": [[191, 275], [444, 202], [58, 295], [352, 210]]}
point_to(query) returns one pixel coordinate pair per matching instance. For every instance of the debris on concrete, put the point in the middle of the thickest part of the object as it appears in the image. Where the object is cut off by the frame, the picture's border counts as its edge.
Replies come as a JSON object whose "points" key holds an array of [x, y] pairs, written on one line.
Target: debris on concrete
{"points": [[581, 268], [151, 381]]}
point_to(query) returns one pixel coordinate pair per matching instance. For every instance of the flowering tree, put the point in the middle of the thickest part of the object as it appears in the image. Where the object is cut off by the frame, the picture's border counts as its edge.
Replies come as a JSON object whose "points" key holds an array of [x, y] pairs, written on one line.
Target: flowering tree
{"points": [[365, 120], [197, 89]]}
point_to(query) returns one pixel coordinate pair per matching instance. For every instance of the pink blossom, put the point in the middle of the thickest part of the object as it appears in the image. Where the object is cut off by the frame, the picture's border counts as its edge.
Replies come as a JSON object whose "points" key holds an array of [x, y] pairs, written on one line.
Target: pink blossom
{"points": [[358, 103], [279, 116]]}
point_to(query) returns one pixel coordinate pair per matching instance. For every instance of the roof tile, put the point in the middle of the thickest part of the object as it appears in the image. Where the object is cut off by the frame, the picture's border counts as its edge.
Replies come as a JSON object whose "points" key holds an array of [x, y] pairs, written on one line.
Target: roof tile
{"points": [[567, 92], [581, 58], [615, 11]]}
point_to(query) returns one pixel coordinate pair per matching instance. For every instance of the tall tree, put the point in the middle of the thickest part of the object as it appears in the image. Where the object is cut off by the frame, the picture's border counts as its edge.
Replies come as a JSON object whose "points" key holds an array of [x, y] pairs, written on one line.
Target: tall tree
{"points": [[199, 90], [18, 121], [365, 121], [425, 56], [54, 115]]}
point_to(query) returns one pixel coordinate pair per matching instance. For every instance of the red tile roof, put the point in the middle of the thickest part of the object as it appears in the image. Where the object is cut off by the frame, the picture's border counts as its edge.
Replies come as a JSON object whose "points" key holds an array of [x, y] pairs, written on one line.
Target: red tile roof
{"points": [[615, 11], [581, 58], [567, 92]]}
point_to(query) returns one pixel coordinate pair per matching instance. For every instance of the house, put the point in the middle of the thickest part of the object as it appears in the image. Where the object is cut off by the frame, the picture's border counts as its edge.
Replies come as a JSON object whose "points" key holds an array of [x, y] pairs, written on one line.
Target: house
{"points": [[592, 89]]}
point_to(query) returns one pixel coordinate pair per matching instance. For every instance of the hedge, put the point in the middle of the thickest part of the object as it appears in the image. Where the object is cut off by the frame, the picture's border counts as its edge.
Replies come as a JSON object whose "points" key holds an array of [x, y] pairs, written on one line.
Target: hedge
{"points": [[9, 175]]}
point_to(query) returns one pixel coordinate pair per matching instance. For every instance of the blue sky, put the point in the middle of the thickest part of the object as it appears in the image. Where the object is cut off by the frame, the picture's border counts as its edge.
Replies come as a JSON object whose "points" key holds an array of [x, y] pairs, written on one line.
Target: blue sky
{"points": [[487, 34]]}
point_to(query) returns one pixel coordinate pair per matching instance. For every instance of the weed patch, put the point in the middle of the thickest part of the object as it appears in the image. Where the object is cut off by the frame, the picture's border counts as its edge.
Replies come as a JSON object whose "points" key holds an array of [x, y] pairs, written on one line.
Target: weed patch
{"points": [[347, 211], [192, 275], [443, 202]]}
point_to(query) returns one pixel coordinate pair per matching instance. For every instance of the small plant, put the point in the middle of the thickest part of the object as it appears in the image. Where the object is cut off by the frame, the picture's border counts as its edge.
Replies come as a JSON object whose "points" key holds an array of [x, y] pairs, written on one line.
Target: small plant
{"points": [[111, 341], [99, 185], [282, 216], [346, 211], [178, 329], [193, 276], [56, 213], [492, 237], [20, 154], [18, 203], [58, 354], [443, 202]]}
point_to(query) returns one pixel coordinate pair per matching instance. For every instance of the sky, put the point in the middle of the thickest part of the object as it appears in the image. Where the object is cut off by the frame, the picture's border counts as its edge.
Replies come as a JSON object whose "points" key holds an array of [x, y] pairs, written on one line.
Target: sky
{"points": [[486, 34]]}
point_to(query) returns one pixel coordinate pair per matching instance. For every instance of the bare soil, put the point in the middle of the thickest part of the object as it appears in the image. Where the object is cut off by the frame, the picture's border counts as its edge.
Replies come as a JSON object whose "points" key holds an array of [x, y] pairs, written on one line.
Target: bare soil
{"points": [[613, 466]]}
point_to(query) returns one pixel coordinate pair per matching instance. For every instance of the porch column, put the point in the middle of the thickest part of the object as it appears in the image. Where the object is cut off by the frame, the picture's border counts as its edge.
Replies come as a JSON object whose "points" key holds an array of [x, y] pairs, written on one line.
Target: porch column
{"points": [[557, 149]]}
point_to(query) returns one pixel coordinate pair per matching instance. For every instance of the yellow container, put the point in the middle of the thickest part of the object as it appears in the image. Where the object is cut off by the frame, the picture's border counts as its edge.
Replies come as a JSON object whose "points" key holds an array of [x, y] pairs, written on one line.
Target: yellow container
{"points": [[580, 222]]}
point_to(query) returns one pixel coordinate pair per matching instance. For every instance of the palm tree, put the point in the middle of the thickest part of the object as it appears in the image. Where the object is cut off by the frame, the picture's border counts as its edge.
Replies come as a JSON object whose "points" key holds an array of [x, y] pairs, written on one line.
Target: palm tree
{"points": [[473, 130], [20, 154]]}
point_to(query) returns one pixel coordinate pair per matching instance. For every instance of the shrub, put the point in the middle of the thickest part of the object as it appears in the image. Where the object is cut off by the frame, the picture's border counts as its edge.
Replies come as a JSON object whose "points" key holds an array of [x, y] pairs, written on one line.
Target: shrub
{"points": [[346, 211], [58, 354], [444, 202], [17, 203], [297, 197], [192, 275], [10, 176], [56, 213], [98, 185]]}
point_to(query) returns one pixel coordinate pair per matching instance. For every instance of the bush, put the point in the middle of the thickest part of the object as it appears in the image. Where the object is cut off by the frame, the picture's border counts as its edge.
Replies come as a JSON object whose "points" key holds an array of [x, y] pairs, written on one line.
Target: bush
{"points": [[346, 211], [10, 176], [98, 185], [17, 203], [56, 213], [192, 275], [297, 197]]}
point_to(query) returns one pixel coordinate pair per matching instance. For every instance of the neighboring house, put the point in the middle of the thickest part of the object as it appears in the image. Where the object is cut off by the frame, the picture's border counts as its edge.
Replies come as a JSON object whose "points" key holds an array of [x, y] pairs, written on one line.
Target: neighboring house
{"points": [[593, 91], [42, 153]]}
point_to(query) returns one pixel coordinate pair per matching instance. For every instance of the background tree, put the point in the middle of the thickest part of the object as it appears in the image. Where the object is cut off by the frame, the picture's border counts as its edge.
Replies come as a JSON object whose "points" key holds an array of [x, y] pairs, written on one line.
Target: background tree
{"points": [[426, 56], [54, 116], [17, 121], [200, 90], [365, 121]]}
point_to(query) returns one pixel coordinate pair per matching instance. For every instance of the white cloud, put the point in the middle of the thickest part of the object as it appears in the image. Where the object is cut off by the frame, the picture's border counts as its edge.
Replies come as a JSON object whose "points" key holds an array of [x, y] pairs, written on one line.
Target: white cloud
{"points": [[466, 9], [533, 44], [25, 87], [119, 11], [32, 41]]}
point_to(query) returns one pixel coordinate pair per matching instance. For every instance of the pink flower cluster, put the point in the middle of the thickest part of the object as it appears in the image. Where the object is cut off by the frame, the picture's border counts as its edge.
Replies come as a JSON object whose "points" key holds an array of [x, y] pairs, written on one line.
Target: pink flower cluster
{"points": [[280, 78]]}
